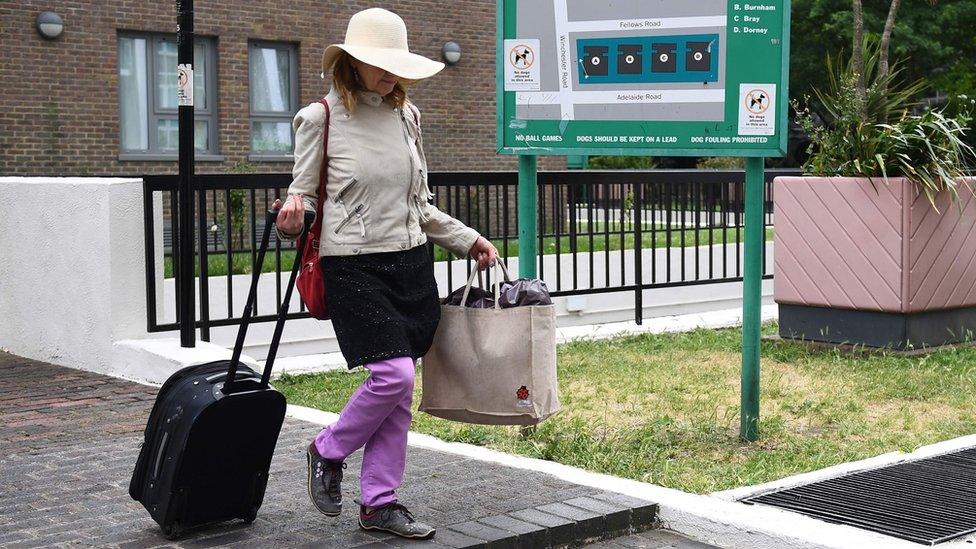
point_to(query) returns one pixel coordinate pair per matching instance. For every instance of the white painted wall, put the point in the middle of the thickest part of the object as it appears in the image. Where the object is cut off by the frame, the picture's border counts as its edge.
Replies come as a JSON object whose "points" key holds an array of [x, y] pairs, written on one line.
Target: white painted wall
{"points": [[72, 275]]}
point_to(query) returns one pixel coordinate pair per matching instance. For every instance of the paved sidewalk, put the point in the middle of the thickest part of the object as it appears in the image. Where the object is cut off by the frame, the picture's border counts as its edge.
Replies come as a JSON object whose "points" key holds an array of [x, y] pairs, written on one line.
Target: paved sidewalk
{"points": [[68, 441]]}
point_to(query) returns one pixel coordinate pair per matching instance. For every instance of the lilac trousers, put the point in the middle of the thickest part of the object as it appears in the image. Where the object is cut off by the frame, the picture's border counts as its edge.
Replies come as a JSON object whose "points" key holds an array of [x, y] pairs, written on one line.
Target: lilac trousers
{"points": [[377, 416]]}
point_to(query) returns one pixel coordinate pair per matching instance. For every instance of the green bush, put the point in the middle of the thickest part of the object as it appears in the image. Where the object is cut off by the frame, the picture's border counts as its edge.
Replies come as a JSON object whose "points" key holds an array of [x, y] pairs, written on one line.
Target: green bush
{"points": [[721, 163], [962, 107], [877, 135], [620, 163]]}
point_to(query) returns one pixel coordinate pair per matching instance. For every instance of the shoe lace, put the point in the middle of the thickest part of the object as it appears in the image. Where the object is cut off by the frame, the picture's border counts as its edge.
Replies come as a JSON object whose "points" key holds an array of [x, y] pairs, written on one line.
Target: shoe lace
{"points": [[333, 487], [399, 507]]}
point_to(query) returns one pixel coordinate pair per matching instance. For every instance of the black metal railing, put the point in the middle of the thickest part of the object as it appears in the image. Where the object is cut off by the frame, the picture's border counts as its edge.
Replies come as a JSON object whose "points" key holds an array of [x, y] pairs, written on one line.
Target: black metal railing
{"points": [[682, 227]]}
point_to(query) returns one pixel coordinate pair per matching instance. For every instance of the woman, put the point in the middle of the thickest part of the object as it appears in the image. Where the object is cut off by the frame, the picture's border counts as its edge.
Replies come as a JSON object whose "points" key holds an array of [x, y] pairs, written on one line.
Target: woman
{"points": [[377, 267]]}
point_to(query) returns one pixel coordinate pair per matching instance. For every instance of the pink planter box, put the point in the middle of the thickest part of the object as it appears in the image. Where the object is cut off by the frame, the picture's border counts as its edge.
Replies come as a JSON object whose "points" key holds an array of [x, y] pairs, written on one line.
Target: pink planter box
{"points": [[841, 245]]}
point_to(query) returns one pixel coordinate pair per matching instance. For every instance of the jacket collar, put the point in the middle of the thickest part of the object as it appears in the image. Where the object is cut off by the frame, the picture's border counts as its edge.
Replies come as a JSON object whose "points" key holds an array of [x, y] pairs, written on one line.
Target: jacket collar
{"points": [[370, 98]]}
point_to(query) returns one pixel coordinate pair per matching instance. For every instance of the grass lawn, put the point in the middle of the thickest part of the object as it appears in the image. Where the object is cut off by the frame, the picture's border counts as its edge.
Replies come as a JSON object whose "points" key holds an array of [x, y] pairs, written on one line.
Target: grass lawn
{"points": [[665, 408], [217, 262]]}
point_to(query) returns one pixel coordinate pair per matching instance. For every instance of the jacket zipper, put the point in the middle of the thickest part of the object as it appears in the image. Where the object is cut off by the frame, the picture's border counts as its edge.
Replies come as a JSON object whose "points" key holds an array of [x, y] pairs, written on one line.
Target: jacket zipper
{"points": [[338, 195], [406, 139], [358, 212], [430, 193], [420, 153], [420, 211], [342, 204]]}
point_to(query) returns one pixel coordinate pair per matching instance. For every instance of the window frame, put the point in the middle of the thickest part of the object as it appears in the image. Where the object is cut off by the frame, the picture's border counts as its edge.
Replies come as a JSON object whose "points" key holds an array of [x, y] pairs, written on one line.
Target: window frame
{"points": [[156, 113], [270, 116]]}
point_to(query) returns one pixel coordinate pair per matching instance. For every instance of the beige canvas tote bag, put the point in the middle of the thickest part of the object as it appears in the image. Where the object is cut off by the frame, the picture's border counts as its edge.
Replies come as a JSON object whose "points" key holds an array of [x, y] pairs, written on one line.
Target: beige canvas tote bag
{"points": [[492, 366]]}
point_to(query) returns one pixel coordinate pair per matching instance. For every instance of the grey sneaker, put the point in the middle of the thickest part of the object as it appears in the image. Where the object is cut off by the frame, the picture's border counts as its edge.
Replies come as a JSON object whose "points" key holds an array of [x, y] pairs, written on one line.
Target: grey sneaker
{"points": [[396, 519], [324, 479]]}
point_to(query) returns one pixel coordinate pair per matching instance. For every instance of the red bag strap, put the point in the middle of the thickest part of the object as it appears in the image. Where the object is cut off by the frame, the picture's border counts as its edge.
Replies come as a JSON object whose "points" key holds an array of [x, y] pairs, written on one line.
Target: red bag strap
{"points": [[323, 173]]}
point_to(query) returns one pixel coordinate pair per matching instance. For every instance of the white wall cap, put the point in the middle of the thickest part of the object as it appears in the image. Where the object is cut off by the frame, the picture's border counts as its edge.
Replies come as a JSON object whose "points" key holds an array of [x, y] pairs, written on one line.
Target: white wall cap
{"points": [[154, 360], [307, 364], [70, 180]]}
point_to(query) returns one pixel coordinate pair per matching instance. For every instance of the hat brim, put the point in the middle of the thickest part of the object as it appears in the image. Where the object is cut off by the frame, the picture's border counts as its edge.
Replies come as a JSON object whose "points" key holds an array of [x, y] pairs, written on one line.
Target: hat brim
{"points": [[408, 66]]}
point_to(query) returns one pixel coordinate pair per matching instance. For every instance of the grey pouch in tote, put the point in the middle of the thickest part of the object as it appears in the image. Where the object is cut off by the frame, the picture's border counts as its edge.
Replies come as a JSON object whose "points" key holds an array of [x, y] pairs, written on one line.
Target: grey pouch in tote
{"points": [[523, 292]]}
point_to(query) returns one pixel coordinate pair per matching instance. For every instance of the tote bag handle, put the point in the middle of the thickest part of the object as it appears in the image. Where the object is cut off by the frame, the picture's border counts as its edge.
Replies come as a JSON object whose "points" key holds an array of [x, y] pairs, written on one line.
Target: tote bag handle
{"points": [[499, 264]]}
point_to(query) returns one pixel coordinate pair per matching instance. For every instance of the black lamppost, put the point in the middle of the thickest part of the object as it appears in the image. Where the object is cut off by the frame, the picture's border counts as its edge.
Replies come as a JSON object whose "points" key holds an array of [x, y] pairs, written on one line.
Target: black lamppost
{"points": [[185, 297]]}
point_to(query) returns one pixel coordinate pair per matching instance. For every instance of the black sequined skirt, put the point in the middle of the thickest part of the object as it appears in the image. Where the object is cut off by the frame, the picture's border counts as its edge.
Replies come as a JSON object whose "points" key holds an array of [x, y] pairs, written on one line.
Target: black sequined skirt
{"points": [[383, 305]]}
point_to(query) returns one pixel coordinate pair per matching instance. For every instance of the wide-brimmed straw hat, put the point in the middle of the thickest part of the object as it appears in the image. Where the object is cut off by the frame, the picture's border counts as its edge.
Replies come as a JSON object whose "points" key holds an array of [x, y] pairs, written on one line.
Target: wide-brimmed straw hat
{"points": [[379, 37]]}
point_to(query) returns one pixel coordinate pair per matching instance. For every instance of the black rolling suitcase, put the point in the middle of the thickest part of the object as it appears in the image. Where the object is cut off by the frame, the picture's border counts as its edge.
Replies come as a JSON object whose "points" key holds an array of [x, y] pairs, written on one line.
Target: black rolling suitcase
{"points": [[212, 432]]}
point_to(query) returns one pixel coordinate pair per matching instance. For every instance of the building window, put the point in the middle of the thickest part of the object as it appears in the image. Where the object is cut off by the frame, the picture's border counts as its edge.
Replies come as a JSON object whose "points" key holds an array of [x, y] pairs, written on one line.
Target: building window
{"points": [[273, 82], [148, 111]]}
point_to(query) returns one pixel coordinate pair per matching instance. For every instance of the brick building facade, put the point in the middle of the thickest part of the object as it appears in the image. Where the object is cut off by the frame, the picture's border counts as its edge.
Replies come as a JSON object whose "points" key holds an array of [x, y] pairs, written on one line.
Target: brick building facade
{"points": [[60, 102]]}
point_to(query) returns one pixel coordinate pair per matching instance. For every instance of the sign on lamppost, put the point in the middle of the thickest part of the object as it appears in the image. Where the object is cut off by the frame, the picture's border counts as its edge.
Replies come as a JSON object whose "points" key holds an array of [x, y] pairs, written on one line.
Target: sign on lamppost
{"points": [[662, 78]]}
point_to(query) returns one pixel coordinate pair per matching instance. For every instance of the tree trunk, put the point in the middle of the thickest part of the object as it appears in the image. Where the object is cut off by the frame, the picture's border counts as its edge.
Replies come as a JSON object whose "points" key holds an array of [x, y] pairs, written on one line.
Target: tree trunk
{"points": [[858, 55], [886, 39]]}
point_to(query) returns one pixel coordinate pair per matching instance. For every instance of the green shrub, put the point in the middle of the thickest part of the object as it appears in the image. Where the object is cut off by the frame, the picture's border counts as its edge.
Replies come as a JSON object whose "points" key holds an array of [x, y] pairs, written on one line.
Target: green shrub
{"points": [[620, 163], [721, 163], [877, 134]]}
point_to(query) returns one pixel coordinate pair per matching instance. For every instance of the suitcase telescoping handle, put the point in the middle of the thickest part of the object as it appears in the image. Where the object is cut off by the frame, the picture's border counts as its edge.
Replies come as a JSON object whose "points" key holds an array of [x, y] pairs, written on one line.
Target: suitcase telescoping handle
{"points": [[252, 295]]}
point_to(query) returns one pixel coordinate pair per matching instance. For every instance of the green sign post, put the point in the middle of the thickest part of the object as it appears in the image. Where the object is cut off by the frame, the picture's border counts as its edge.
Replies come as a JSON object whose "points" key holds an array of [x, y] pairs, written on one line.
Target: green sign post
{"points": [[663, 78]]}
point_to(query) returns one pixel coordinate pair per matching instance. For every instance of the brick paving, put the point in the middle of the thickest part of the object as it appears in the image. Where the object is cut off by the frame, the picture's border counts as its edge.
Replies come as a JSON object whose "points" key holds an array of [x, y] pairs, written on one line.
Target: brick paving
{"points": [[69, 440]]}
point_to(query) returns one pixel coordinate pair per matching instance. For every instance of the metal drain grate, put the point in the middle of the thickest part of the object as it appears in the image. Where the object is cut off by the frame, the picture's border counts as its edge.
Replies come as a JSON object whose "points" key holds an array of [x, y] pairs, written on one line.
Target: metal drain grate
{"points": [[926, 501]]}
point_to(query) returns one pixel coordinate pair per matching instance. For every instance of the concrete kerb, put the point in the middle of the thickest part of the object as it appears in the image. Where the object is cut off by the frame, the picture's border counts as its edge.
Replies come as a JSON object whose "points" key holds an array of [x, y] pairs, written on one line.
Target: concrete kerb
{"points": [[706, 518], [737, 494], [725, 318]]}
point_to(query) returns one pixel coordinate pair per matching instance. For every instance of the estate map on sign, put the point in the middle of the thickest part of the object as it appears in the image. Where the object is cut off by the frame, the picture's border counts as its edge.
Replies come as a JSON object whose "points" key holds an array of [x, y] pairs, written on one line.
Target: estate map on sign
{"points": [[669, 77]]}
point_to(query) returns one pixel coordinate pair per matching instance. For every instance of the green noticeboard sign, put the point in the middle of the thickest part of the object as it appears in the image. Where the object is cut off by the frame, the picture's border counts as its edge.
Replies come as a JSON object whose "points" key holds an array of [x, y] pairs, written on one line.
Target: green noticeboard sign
{"points": [[637, 77]]}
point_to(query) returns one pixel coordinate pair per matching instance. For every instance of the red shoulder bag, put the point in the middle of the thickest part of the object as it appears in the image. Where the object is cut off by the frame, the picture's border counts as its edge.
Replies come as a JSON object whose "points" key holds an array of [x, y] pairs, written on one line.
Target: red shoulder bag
{"points": [[311, 283]]}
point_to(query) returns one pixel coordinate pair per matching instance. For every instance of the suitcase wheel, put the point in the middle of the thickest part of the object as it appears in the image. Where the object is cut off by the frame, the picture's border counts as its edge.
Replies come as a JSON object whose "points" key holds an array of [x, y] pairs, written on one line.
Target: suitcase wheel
{"points": [[173, 531]]}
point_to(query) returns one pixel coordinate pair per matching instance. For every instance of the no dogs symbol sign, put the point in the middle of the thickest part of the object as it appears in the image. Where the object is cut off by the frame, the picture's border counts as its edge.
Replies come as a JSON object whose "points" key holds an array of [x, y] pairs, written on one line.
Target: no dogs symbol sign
{"points": [[522, 57], [757, 109], [757, 101], [521, 65]]}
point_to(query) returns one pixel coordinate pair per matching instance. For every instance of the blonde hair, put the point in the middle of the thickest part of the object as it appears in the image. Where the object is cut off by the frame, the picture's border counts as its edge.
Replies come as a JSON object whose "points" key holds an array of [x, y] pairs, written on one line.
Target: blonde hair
{"points": [[345, 81]]}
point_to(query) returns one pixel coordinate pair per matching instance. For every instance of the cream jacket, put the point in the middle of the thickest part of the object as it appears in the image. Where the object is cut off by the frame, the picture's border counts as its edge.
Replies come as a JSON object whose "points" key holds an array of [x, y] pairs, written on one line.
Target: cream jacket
{"points": [[376, 195]]}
